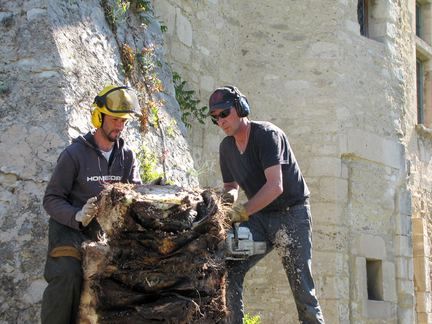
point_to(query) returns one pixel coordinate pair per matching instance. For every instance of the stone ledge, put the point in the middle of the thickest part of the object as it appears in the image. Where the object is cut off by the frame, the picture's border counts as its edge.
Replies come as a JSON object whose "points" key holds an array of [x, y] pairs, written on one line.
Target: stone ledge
{"points": [[423, 49], [424, 131], [380, 309]]}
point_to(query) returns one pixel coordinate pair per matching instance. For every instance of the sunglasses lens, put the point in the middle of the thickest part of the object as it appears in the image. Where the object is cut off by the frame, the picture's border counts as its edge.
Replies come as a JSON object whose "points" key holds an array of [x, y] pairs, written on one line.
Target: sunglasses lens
{"points": [[223, 114]]}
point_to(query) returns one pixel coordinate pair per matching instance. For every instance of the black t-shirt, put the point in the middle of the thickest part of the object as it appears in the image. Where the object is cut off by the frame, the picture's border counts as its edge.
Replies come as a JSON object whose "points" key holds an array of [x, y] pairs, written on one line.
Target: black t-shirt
{"points": [[267, 146]]}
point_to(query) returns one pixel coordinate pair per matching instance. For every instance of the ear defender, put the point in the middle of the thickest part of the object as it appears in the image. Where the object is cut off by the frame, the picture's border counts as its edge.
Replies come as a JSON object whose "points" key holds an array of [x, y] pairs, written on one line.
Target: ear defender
{"points": [[99, 101], [241, 103], [96, 118], [243, 109]]}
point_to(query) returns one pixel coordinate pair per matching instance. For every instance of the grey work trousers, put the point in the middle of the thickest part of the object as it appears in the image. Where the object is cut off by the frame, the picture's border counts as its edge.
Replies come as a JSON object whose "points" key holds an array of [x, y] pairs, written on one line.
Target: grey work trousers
{"points": [[290, 233]]}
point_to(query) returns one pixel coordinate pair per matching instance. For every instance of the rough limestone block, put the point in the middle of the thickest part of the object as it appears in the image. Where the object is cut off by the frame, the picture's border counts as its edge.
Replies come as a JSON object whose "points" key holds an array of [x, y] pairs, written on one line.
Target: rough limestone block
{"points": [[325, 166], [405, 203], [406, 315], [182, 52], [389, 282], [423, 318], [375, 148], [403, 268], [168, 13], [333, 189], [207, 82], [329, 213], [406, 300], [418, 226], [381, 310], [372, 247], [360, 280], [424, 302], [403, 224], [330, 263], [183, 29], [420, 245], [331, 238], [421, 273], [334, 311], [405, 286], [403, 246]]}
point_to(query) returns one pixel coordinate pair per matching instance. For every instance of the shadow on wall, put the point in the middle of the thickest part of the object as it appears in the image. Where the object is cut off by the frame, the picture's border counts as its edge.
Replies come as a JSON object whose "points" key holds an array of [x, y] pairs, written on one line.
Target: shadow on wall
{"points": [[33, 127]]}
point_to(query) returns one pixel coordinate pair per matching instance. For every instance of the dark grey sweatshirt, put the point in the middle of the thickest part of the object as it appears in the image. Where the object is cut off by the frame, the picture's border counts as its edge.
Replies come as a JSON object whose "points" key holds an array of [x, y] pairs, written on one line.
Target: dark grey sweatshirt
{"points": [[81, 172]]}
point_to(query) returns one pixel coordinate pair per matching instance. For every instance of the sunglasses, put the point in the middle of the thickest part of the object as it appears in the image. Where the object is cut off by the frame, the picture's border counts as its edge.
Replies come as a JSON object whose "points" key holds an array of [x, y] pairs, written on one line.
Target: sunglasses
{"points": [[223, 114]]}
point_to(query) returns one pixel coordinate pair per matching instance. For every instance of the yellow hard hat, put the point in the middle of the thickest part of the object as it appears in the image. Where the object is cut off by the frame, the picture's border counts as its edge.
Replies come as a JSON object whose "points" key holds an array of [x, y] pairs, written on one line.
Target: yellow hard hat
{"points": [[117, 101]]}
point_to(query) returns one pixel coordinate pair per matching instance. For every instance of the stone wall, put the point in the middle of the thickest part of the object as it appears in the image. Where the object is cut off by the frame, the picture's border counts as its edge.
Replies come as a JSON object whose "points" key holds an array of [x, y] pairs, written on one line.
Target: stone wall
{"points": [[418, 141], [55, 57], [347, 103], [422, 222]]}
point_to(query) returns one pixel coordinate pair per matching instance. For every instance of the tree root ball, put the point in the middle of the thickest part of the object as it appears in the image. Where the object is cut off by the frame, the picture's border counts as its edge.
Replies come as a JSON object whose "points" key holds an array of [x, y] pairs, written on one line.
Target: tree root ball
{"points": [[152, 263]]}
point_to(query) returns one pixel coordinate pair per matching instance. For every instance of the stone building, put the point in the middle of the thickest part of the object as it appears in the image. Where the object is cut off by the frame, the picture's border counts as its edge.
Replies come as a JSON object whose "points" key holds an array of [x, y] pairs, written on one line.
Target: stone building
{"points": [[340, 78], [348, 80]]}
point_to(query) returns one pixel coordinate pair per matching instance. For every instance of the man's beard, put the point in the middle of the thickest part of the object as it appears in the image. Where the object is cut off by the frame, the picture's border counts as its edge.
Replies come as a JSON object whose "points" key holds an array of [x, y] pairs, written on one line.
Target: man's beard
{"points": [[113, 138], [110, 137]]}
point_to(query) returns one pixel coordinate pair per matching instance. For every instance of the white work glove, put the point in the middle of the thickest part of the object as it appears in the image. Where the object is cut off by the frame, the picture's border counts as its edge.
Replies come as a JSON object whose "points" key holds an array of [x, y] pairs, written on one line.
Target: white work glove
{"points": [[88, 212], [227, 198]]}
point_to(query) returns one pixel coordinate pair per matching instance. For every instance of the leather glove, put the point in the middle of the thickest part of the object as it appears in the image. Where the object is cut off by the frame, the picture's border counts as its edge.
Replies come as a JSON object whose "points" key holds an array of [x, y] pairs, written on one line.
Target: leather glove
{"points": [[238, 214], [88, 212]]}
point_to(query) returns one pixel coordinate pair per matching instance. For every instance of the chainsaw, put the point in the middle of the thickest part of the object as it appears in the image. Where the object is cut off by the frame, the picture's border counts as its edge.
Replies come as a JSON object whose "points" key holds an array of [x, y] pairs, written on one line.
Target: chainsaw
{"points": [[239, 244]]}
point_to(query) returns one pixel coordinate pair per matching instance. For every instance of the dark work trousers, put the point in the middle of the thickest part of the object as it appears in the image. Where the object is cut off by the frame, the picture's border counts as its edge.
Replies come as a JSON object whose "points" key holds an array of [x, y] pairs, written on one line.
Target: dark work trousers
{"points": [[61, 298], [290, 233]]}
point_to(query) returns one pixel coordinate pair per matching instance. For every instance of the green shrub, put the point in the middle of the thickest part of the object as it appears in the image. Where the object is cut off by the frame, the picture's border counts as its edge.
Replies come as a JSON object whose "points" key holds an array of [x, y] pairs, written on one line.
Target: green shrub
{"points": [[251, 319], [148, 165]]}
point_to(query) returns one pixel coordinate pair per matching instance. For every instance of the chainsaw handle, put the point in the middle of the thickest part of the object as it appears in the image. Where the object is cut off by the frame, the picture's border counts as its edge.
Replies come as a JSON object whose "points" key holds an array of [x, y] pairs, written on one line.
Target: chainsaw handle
{"points": [[235, 227]]}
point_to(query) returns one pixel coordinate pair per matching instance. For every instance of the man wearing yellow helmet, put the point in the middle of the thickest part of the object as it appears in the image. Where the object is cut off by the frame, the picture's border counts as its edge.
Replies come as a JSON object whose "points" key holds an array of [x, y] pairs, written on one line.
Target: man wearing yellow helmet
{"points": [[83, 168]]}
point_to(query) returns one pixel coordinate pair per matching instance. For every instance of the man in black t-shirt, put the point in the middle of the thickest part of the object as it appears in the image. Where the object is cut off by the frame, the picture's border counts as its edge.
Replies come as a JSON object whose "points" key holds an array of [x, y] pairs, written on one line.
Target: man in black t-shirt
{"points": [[256, 157]]}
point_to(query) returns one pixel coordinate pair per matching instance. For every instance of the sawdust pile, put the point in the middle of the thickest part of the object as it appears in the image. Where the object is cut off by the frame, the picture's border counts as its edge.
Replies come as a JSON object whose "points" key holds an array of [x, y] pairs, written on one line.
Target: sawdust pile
{"points": [[152, 265]]}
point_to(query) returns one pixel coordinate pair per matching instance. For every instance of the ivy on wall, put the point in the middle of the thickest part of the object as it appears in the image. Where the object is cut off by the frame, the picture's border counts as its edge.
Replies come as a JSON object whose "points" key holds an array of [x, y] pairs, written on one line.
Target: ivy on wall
{"points": [[188, 102]]}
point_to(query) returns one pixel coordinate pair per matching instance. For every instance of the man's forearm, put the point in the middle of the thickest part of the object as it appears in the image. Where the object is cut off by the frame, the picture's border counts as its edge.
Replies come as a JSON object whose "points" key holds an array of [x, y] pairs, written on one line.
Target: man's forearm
{"points": [[61, 211], [262, 198]]}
